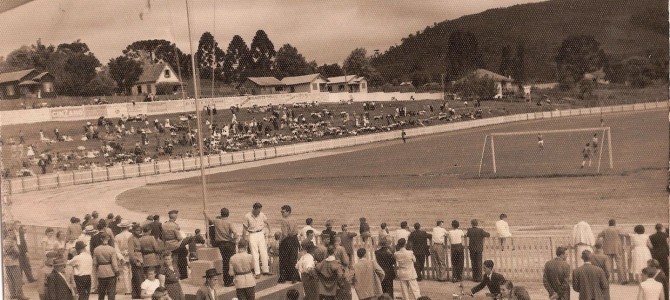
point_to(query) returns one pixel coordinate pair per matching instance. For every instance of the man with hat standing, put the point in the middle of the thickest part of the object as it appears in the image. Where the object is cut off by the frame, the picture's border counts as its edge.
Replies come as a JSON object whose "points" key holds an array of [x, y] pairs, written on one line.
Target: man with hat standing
{"points": [[224, 239], [172, 239], [121, 245], [106, 268], [43, 272], [208, 291], [57, 286], [136, 261], [242, 268], [10, 259], [254, 224], [82, 265]]}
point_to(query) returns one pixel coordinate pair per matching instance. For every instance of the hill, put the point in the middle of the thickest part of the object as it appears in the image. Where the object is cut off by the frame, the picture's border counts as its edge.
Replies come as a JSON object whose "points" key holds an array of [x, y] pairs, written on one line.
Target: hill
{"points": [[623, 28]]}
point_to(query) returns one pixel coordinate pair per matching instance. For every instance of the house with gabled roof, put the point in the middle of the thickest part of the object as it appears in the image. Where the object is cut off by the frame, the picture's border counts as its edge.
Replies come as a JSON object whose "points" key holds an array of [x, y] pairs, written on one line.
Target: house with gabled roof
{"points": [[260, 86], [350, 83], [29, 83], [312, 83], [157, 79], [502, 84]]}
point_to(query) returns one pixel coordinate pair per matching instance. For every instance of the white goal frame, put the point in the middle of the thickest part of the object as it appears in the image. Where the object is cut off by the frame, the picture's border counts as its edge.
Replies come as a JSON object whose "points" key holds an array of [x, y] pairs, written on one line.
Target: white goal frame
{"points": [[606, 134]]}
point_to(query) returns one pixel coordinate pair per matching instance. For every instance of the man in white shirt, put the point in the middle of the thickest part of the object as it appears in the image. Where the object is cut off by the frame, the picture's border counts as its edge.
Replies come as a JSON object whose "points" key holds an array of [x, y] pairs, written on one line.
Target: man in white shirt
{"points": [[455, 237], [650, 289], [503, 232], [402, 233], [121, 245], [254, 225], [308, 226], [82, 265], [439, 250]]}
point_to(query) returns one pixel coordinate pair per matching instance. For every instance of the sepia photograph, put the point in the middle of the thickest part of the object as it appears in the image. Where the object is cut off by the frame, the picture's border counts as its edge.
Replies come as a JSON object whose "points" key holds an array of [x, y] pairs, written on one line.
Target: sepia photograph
{"points": [[334, 150]]}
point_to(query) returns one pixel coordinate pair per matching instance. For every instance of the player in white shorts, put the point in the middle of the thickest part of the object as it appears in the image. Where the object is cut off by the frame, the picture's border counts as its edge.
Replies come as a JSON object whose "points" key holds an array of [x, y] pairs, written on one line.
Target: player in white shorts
{"points": [[586, 152], [540, 142], [594, 142]]}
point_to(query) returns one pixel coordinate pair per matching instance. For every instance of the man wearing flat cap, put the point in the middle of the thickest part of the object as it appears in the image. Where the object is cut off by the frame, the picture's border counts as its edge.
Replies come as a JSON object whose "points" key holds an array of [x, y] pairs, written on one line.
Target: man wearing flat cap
{"points": [[208, 291], [106, 268], [57, 286], [254, 225]]}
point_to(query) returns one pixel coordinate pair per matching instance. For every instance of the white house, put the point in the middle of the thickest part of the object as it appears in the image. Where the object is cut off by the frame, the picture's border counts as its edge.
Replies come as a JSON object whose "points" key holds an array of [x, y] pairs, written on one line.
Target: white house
{"points": [[157, 79], [350, 83], [312, 83], [261, 86], [502, 83]]}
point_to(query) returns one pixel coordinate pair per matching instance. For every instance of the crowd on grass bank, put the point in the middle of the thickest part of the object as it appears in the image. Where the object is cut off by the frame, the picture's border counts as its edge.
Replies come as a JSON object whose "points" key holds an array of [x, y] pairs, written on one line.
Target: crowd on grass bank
{"points": [[139, 139], [148, 259]]}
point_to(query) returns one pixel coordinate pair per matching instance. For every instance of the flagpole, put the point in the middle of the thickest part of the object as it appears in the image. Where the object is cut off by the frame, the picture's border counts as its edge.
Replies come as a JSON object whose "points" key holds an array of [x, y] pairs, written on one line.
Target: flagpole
{"points": [[198, 120]]}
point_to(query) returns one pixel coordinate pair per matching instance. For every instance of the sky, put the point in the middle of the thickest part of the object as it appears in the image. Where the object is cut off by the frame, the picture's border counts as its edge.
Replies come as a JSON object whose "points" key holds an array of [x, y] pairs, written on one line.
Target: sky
{"points": [[325, 31]]}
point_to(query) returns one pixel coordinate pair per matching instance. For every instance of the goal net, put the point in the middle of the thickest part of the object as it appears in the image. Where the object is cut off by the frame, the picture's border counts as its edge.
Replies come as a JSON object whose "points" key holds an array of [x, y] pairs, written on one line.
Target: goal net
{"points": [[546, 153]]}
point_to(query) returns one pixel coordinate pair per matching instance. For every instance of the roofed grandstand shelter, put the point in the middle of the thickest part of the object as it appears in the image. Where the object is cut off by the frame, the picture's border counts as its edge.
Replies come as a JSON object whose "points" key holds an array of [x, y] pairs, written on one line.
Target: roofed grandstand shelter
{"points": [[312, 83], [350, 83], [157, 79], [29, 83]]}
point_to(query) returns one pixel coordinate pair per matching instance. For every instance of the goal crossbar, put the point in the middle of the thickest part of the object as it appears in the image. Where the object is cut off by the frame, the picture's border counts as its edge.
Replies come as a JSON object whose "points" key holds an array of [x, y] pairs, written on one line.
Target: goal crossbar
{"points": [[607, 134], [592, 129]]}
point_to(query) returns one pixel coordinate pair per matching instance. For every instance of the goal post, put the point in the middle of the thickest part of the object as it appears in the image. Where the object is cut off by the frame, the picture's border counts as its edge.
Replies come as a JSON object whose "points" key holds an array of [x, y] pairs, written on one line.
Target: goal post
{"points": [[605, 133]]}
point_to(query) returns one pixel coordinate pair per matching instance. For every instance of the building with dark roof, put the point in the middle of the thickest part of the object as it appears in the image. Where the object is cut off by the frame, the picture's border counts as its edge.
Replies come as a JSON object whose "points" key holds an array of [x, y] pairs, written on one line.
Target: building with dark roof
{"points": [[157, 79], [26, 84], [312, 83], [350, 83]]}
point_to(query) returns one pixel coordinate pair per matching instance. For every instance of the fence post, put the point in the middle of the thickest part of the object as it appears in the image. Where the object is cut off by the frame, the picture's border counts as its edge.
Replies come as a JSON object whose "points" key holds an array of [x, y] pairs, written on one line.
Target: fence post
{"points": [[39, 187], [92, 179], [73, 179], [139, 170], [23, 184], [107, 171], [169, 165], [183, 165], [123, 170]]}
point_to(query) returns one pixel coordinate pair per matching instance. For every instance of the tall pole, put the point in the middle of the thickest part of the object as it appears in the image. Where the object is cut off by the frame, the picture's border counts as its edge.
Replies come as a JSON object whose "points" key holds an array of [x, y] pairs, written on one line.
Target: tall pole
{"points": [[198, 121], [214, 50]]}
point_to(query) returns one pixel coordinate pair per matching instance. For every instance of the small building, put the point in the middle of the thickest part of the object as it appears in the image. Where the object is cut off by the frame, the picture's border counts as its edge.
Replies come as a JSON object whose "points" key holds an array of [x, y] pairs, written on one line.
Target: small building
{"points": [[350, 84], [157, 79], [312, 83], [27, 84], [502, 84], [597, 76], [261, 86]]}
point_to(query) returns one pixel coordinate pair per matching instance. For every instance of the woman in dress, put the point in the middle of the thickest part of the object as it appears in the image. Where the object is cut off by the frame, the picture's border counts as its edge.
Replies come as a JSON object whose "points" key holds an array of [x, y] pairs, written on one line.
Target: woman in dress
{"points": [[640, 254], [169, 278]]}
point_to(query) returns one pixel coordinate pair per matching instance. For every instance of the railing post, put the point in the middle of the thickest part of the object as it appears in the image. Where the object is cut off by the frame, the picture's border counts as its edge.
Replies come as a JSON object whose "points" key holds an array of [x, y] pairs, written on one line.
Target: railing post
{"points": [[92, 179], [74, 181], [170, 165], [38, 182], [23, 184], [107, 171], [123, 170]]}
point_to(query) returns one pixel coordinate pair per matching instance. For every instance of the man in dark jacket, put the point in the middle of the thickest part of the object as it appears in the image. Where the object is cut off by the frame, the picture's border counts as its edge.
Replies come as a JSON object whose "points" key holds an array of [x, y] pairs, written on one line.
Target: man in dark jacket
{"points": [[23, 252], [476, 237], [660, 251], [56, 286], [590, 281], [491, 280], [418, 241], [556, 277], [386, 260]]}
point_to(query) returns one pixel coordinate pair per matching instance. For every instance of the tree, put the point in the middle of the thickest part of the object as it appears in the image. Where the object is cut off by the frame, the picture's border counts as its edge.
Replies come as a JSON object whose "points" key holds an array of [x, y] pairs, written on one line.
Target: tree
{"points": [[327, 70], [153, 51], [475, 87], [518, 67], [125, 72], [209, 57], [74, 66], [27, 57], [289, 62], [262, 52], [357, 63], [101, 84], [506, 62], [462, 55], [579, 55], [237, 60]]}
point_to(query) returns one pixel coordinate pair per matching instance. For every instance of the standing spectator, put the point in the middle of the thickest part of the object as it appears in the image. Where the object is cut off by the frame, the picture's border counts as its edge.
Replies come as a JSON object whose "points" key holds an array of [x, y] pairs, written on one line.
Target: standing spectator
{"points": [[406, 272], [136, 261], [556, 276], [288, 247], [254, 223], [49, 242], [659, 250], [347, 242], [590, 281], [330, 273], [74, 229], [208, 290], [305, 266], [341, 253], [95, 219], [309, 238], [82, 265], [367, 277], [156, 227], [224, 239], [600, 260], [384, 233], [476, 237], [491, 280], [57, 286], [168, 276], [121, 245], [242, 268], [43, 272], [418, 242], [659, 275], [321, 251], [384, 256], [502, 227], [106, 268], [149, 248], [439, 250], [640, 254], [10, 259], [402, 233], [172, 236], [455, 237], [364, 229], [24, 262], [150, 283], [307, 227], [650, 289], [329, 231], [612, 241], [582, 238]]}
